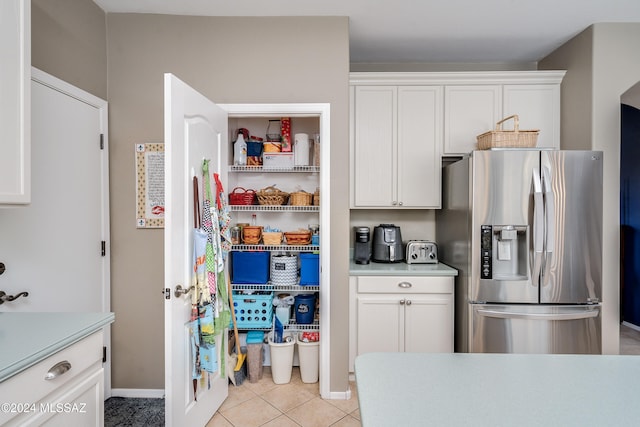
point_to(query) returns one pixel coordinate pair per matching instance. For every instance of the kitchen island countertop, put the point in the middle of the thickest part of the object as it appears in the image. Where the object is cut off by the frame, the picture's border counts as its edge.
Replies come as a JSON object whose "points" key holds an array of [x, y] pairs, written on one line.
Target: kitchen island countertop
{"points": [[495, 390], [28, 338], [400, 269]]}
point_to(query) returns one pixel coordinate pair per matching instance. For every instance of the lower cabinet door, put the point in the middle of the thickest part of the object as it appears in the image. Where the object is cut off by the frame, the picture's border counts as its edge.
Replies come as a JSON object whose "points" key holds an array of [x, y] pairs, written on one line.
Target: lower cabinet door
{"points": [[428, 323], [380, 321]]}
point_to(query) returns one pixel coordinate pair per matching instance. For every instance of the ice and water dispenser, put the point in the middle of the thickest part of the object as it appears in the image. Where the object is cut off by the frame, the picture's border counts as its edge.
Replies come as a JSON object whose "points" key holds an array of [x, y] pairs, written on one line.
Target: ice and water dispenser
{"points": [[504, 252]]}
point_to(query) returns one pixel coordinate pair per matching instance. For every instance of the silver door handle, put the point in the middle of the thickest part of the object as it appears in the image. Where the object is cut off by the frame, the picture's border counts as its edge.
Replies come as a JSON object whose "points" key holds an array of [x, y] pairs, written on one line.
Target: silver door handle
{"points": [[57, 370], [182, 291], [574, 315], [402, 301], [538, 228], [550, 222], [404, 285]]}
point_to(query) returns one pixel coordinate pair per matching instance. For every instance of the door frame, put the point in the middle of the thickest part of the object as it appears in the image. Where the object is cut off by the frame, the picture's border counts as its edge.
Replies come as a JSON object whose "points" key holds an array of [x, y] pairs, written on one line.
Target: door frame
{"points": [[323, 112], [101, 105]]}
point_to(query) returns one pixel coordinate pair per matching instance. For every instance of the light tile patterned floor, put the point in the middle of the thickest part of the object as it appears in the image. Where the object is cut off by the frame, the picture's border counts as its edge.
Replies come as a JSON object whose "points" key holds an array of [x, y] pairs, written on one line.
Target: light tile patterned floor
{"points": [[295, 404]]}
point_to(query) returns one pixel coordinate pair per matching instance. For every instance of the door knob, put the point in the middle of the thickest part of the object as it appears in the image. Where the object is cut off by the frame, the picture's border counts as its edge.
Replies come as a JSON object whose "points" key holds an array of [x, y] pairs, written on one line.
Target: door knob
{"points": [[182, 291], [4, 297]]}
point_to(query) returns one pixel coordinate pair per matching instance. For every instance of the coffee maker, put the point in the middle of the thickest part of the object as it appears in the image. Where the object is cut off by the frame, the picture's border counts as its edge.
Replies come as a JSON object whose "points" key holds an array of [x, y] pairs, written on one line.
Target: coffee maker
{"points": [[362, 251]]}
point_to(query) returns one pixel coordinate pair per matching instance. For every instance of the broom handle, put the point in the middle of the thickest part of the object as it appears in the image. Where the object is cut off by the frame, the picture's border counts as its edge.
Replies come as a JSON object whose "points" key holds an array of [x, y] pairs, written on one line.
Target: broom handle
{"points": [[233, 312]]}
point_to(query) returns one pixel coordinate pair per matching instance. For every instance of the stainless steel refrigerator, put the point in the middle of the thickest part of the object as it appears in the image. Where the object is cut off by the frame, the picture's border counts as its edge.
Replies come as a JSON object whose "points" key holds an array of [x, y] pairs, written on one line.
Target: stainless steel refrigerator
{"points": [[524, 229]]}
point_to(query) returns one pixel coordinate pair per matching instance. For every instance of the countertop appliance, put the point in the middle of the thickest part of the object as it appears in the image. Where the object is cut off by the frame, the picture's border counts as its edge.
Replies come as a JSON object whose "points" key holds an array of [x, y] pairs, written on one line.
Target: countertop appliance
{"points": [[421, 252], [362, 248], [524, 229], [387, 243]]}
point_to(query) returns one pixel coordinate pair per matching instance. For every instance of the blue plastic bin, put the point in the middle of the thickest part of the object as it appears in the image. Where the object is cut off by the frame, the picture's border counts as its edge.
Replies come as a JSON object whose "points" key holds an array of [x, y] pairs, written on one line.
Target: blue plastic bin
{"points": [[305, 308], [309, 269], [249, 267]]}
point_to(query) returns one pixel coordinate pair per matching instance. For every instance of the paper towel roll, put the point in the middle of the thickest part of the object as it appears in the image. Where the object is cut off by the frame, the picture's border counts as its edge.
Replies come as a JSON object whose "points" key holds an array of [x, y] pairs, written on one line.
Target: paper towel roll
{"points": [[301, 149]]}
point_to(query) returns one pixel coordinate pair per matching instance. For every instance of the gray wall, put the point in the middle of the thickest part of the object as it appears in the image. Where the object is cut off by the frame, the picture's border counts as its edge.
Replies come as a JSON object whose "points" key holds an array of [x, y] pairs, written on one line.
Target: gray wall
{"points": [[69, 41], [602, 63], [229, 60]]}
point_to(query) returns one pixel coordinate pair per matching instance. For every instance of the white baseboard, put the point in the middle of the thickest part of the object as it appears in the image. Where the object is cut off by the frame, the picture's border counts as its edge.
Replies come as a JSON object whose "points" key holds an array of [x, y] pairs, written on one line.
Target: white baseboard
{"points": [[340, 395], [631, 325], [138, 392]]}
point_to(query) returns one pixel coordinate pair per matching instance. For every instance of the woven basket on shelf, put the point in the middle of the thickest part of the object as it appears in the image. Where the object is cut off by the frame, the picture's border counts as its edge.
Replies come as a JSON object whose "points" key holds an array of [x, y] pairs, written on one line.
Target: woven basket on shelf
{"points": [[272, 237], [515, 138], [316, 198], [272, 196], [251, 234], [299, 237], [241, 196], [300, 198]]}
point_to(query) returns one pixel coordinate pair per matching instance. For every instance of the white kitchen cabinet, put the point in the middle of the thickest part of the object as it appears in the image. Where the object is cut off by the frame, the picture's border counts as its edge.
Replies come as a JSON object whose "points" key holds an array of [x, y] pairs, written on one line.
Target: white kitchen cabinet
{"points": [[537, 107], [471, 104], [469, 111], [15, 83], [73, 396], [395, 146], [401, 314]]}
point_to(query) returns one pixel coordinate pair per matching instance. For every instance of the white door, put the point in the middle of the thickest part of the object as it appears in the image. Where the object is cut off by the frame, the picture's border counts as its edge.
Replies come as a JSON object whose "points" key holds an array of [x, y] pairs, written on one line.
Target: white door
{"points": [[195, 129], [52, 248]]}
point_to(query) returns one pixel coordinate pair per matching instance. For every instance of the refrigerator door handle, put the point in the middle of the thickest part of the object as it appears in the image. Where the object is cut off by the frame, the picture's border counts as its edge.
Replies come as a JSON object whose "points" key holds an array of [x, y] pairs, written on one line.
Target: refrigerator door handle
{"points": [[550, 221], [538, 228], [572, 315]]}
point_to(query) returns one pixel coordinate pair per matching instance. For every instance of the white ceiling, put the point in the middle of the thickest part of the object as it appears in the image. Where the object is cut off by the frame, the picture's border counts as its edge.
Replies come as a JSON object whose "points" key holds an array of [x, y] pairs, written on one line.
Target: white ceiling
{"points": [[425, 30]]}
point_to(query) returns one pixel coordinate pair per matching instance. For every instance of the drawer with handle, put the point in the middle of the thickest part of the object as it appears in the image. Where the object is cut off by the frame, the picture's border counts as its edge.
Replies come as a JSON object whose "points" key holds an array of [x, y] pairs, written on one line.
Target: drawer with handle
{"points": [[45, 377]]}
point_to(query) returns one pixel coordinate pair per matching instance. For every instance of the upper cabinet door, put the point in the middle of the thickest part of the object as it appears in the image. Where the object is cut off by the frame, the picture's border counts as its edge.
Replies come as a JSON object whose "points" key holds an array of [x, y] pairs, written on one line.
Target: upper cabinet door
{"points": [[419, 146], [469, 111], [537, 107], [375, 147], [15, 84]]}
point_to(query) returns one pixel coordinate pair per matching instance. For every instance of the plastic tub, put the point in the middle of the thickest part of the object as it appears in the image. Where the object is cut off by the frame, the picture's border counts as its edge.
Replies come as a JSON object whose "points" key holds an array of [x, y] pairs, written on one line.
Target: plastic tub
{"points": [[254, 355], [305, 307], [281, 359], [308, 354]]}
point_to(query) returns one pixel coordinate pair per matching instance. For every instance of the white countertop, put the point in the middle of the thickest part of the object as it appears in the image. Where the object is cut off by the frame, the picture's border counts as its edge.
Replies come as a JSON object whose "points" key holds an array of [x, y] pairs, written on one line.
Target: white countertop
{"points": [[461, 389], [28, 338], [400, 269]]}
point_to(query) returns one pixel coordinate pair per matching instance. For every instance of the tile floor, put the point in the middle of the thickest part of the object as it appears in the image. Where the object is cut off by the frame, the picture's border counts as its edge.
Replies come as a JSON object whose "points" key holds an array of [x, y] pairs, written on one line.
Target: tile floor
{"points": [[288, 405], [294, 404]]}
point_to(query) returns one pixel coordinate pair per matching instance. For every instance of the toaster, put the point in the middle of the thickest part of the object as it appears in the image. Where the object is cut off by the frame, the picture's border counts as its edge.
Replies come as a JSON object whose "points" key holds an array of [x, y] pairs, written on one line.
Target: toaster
{"points": [[421, 252]]}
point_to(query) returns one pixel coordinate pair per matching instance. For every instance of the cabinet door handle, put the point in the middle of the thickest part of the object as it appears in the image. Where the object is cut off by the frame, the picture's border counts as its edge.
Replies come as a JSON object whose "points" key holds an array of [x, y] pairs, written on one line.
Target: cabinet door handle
{"points": [[57, 370], [408, 302], [405, 285], [402, 302]]}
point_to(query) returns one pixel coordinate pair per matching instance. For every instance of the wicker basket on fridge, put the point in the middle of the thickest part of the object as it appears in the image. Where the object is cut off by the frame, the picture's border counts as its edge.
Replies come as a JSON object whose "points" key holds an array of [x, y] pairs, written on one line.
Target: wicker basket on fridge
{"points": [[300, 198], [272, 196], [515, 138]]}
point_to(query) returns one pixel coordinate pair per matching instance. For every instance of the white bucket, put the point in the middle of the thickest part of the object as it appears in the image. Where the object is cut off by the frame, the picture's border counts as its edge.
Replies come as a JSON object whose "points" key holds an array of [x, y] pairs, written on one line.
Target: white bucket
{"points": [[281, 359], [308, 353]]}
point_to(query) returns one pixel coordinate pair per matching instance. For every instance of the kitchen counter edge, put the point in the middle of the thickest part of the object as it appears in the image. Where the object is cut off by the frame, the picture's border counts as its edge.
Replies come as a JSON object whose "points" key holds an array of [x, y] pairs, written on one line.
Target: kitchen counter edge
{"points": [[400, 269], [36, 336]]}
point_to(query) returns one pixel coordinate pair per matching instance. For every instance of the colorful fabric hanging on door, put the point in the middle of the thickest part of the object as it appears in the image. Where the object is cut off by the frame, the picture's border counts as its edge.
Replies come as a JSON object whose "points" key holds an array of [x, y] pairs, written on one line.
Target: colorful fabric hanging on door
{"points": [[208, 224]]}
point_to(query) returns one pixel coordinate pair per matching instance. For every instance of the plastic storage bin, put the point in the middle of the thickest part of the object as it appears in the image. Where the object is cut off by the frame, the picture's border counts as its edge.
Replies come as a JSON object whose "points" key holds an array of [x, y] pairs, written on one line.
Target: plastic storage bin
{"points": [[305, 307], [282, 359], [308, 354], [309, 269], [250, 267], [284, 270], [253, 311], [255, 356]]}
